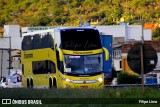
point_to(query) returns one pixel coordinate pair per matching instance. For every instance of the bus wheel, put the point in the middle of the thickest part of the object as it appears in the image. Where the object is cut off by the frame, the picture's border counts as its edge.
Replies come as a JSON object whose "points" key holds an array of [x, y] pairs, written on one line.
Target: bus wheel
{"points": [[54, 83], [28, 83], [31, 83], [50, 83]]}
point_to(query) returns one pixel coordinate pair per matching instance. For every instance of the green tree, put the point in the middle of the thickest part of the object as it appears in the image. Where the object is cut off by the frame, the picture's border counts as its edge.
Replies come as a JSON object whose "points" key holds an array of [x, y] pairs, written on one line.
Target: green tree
{"points": [[156, 33], [106, 11]]}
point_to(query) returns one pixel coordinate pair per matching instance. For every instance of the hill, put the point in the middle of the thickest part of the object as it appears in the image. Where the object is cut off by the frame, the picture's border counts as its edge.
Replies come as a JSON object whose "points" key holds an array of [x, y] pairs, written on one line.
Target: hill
{"points": [[70, 12]]}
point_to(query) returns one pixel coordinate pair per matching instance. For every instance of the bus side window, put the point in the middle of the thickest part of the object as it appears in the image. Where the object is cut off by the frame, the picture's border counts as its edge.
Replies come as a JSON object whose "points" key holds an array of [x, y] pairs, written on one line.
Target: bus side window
{"points": [[53, 68], [59, 63], [61, 67], [44, 41], [36, 42], [58, 60], [47, 41], [27, 43], [50, 41], [22, 68], [47, 66]]}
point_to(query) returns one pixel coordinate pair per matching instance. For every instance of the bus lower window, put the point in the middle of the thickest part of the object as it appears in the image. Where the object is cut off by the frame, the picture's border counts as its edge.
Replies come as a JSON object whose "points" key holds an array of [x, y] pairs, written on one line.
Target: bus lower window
{"points": [[43, 67]]}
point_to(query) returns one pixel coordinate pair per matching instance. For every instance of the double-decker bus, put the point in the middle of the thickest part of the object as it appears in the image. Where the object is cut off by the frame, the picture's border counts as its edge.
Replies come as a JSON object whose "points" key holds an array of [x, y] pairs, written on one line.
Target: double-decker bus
{"points": [[63, 58]]}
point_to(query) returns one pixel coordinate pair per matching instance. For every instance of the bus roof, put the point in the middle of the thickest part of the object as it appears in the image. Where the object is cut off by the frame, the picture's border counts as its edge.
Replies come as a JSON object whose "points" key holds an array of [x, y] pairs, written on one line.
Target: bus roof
{"points": [[56, 29], [37, 32], [67, 28]]}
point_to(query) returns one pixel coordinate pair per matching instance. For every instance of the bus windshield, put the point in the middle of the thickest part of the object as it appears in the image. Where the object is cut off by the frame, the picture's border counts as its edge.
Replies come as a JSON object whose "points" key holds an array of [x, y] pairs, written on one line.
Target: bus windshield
{"points": [[80, 39], [83, 65]]}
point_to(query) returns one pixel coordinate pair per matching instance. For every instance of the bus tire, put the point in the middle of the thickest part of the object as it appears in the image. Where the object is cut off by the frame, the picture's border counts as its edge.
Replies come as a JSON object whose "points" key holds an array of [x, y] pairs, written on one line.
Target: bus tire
{"points": [[50, 83], [54, 83], [28, 84], [31, 83]]}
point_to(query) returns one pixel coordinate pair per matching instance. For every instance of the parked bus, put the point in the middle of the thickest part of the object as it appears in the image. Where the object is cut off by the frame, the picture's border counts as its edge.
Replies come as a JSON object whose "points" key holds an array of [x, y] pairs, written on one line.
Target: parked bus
{"points": [[63, 58]]}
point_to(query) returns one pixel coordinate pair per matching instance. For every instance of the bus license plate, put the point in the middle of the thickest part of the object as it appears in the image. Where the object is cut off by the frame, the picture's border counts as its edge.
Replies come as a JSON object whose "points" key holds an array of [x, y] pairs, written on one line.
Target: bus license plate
{"points": [[84, 86]]}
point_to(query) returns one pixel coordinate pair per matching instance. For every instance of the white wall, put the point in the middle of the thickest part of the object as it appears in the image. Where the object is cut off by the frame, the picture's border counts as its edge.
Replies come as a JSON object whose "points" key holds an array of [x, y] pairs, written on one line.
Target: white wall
{"points": [[158, 78], [116, 31], [134, 32], [126, 31], [158, 63], [116, 64], [147, 34], [4, 63], [12, 31]]}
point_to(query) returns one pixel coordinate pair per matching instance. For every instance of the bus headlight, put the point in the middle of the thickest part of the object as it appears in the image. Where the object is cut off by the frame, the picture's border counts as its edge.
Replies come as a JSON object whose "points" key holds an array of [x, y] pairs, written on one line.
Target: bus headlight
{"points": [[68, 80], [100, 79]]}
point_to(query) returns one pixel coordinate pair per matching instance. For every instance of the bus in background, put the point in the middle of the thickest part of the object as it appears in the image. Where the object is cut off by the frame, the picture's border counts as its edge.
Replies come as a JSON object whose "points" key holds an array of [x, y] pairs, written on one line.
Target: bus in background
{"points": [[63, 58]]}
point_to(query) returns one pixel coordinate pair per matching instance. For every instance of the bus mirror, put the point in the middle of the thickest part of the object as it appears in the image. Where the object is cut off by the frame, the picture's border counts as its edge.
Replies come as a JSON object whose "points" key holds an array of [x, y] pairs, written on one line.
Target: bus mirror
{"points": [[60, 55], [106, 53]]}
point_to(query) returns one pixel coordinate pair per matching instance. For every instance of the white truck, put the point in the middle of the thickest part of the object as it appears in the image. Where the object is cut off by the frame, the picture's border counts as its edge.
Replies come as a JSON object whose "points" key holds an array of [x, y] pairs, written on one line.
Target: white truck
{"points": [[13, 80]]}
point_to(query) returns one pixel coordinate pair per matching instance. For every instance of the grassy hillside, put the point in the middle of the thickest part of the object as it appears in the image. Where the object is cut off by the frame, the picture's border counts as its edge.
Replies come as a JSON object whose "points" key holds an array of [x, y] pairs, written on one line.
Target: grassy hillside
{"points": [[68, 12]]}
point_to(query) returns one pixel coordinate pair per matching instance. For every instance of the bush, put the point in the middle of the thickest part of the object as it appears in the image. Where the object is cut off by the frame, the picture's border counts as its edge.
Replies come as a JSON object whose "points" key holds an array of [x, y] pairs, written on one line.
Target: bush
{"points": [[125, 78], [156, 33]]}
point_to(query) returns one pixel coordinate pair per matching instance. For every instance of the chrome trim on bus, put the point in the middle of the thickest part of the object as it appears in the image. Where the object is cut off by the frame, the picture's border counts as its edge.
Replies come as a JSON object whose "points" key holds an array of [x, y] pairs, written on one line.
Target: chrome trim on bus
{"points": [[84, 81]]}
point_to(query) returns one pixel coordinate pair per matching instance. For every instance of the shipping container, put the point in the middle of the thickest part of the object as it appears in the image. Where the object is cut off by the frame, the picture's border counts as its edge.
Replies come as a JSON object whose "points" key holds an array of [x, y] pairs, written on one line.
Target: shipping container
{"points": [[107, 65]]}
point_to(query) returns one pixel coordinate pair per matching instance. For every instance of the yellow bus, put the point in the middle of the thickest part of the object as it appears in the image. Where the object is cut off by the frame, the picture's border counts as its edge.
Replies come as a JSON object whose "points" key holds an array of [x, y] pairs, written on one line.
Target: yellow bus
{"points": [[63, 58]]}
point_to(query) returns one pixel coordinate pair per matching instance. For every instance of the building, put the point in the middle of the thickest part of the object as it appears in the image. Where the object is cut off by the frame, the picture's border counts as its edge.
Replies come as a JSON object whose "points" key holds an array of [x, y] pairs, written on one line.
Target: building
{"points": [[127, 46], [117, 57], [4, 63], [152, 77], [126, 32], [11, 40], [121, 34], [12, 31]]}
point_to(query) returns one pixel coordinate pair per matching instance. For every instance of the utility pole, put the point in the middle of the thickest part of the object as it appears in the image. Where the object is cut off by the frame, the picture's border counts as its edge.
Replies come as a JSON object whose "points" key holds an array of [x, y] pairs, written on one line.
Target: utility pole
{"points": [[142, 59]]}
